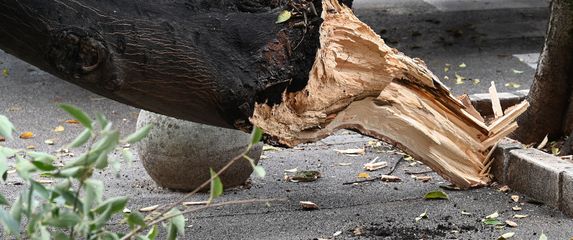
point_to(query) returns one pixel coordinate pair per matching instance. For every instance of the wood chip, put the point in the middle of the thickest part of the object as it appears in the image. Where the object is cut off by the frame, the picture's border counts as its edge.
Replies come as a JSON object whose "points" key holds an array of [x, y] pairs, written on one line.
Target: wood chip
{"points": [[352, 151], [495, 103], [149, 209], [308, 205], [519, 216], [515, 198], [374, 165], [543, 143], [389, 178], [423, 178], [59, 129], [510, 223], [72, 121], [504, 189]]}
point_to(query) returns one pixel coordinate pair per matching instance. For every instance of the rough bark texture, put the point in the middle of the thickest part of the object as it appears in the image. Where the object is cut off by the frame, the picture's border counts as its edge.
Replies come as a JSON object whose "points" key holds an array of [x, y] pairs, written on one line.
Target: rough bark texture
{"points": [[227, 63], [551, 111], [206, 61]]}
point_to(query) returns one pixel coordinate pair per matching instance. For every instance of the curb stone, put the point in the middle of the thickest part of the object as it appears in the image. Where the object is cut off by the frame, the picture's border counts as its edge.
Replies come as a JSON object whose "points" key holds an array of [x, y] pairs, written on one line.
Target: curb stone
{"points": [[539, 175]]}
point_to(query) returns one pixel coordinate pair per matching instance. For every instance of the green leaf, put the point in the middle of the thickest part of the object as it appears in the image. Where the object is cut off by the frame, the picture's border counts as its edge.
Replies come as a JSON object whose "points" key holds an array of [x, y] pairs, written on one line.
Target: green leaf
{"points": [[10, 224], [138, 135], [216, 186], [63, 219], [135, 219], [542, 236], [117, 204], [436, 195], [3, 200], [44, 166], [127, 155], [256, 135], [152, 234], [93, 193], [24, 168], [78, 114], [176, 224], [6, 127], [81, 139], [61, 236], [506, 236], [44, 233], [40, 190], [101, 162], [284, 16], [101, 120], [259, 171], [424, 215]]}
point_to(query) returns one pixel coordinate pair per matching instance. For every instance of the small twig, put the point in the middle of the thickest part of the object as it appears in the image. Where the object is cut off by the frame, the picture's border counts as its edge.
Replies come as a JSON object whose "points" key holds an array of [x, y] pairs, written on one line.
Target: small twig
{"points": [[417, 173], [186, 196], [216, 205], [395, 166], [377, 178]]}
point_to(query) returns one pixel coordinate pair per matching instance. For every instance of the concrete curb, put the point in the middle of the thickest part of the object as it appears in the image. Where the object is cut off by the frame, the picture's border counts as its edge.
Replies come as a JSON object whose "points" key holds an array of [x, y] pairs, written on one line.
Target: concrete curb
{"points": [[541, 176]]}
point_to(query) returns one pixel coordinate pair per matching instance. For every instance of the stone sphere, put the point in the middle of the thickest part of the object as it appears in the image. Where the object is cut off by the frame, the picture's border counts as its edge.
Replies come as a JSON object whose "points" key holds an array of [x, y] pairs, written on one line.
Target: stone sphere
{"points": [[177, 154]]}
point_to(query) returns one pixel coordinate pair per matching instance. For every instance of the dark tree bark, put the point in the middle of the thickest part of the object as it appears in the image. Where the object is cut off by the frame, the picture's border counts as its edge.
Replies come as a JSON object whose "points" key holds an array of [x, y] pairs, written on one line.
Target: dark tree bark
{"points": [[227, 63], [206, 61], [551, 98]]}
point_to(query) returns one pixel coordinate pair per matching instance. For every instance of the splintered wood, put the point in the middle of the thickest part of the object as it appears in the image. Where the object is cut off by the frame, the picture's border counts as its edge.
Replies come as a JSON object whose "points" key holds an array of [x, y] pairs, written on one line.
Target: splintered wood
{"points": [[358, 82]]}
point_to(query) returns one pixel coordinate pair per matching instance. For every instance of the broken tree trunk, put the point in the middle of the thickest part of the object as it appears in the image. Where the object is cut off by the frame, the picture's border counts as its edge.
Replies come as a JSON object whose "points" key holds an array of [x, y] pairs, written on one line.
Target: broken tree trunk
{"points": [[226, 63]]}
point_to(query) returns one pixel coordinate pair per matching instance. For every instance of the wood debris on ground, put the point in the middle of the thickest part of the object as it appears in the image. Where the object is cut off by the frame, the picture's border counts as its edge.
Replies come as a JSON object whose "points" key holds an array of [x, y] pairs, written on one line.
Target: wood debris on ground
{"points": [[384, 94]]}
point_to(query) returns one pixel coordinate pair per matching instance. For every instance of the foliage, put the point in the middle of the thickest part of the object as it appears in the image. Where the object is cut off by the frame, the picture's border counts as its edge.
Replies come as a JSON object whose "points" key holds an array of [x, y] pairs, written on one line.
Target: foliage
{"points": [[73, 207]]}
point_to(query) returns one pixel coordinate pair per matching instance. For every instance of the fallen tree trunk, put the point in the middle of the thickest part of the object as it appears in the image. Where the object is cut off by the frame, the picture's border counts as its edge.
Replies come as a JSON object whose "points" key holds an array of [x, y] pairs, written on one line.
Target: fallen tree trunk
{"points": [[228, 64]]}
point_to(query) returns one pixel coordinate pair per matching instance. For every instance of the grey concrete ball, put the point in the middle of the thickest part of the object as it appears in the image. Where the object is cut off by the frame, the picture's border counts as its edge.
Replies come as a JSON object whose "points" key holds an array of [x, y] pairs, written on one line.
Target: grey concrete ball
{"points": [[177, 154]]}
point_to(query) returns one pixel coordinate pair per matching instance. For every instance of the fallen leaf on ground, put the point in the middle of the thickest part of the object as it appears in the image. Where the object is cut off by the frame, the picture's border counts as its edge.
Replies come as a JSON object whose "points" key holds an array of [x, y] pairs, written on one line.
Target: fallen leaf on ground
{"points": [[476, 81], [304, 176], [436, 195], [516, 71], [459, 79], [30, 147], [363, 175], [544, 237], [513, 85], [308, 205], [59, 129], [493, 222], [26, 135], [447, 67], [5, 72], [463, 65], [149, 209], [423, 178], [424, 215], [49, 141], [389, 178], [352, 151], [72, 121], [520, 216], [515, 198], [270, 148], [506, 236], [510, 223], [504, 188], [516, 208], [555, 151], [195, 203], [450, 187], [284, 16]]}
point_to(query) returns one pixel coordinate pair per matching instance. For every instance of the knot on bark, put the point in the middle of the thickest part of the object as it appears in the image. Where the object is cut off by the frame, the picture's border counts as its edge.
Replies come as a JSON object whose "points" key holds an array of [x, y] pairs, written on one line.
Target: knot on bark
{"points": [[83, 56]]}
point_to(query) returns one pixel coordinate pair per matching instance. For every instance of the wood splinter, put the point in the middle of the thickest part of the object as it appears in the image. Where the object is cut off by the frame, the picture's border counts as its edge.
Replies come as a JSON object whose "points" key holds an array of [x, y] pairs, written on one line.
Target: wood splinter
{"points": [[358, 82]]}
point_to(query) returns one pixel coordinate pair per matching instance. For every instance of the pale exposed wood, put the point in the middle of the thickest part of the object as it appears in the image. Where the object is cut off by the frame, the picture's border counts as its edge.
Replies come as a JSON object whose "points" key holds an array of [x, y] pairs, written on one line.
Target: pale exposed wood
{"points": [[357, 82], [465, 99], [495, 103]]}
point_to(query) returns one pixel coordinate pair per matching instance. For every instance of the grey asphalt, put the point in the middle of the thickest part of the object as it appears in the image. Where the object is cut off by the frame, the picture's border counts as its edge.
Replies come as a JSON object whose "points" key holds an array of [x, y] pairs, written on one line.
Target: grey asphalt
{"points": [[490, 37]]}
